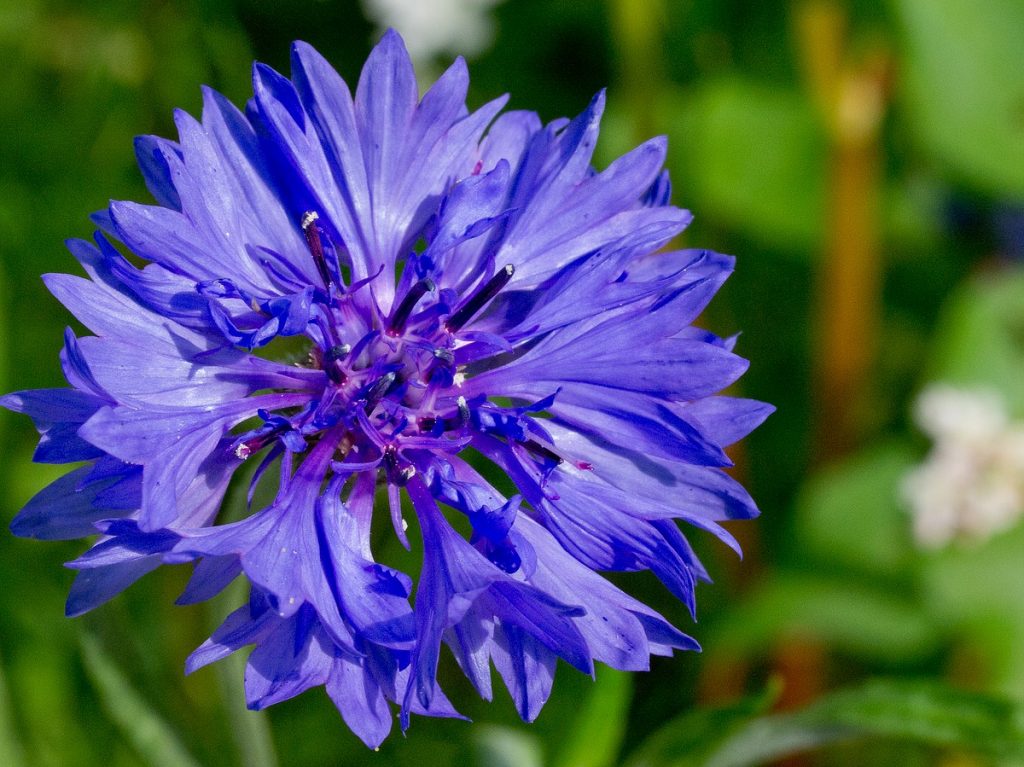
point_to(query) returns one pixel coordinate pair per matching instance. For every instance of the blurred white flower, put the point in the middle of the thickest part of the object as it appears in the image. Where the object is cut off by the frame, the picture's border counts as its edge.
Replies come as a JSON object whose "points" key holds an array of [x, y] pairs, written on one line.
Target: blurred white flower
{"points": [[431, 27], [971, 485]]}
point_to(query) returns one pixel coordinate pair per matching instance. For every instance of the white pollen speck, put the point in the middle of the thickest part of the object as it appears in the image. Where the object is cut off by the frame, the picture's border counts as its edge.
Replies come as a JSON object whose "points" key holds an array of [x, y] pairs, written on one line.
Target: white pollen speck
{"points": [[295, 551], [291, 600], [459, 378], [405, 525]]}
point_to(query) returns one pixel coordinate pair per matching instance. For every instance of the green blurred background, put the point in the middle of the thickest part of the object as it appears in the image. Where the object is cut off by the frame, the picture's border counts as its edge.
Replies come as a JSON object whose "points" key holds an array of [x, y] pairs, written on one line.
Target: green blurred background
{"points": [[865, 162]]}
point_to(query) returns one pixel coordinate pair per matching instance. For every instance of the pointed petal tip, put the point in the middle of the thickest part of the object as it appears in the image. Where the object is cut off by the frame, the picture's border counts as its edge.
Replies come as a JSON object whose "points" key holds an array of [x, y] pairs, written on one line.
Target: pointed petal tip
{"points": [[266, 79], [391, 36], [19, 526], [192, 663], [390, 46], [77, 245], [304, 56]]}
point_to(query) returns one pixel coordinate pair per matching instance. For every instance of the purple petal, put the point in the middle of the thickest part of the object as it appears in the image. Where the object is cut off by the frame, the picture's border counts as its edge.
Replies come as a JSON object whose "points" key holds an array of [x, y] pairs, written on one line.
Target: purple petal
{"points": [[95, 586], [64, 509]]}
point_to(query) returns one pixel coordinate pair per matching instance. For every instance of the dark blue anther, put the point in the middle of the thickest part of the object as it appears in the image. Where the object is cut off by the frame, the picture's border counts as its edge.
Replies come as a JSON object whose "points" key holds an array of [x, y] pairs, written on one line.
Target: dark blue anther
{"points": [[444, 355], [542, 452], [480, 299], [441, 368], [270, 431], [316, 248], [333, 363], [463, 412], [401, 315], [431, 424], [377, 391], [395, 473]]}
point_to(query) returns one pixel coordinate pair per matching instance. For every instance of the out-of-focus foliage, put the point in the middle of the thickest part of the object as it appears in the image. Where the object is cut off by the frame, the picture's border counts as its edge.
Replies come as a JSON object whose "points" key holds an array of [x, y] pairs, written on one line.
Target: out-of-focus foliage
{"points": [[963, 83], [762, 103], [923, 712], [755, 155]]}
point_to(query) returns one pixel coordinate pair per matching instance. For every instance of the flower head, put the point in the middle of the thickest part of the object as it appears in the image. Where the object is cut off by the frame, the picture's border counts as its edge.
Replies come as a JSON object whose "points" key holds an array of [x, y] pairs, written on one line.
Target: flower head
{"points": [[490, 350]]}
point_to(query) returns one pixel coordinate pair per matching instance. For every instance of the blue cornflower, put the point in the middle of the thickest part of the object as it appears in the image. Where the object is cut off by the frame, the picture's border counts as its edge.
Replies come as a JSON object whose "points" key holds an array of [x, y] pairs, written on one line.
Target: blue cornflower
{"points": [[475, 305]]}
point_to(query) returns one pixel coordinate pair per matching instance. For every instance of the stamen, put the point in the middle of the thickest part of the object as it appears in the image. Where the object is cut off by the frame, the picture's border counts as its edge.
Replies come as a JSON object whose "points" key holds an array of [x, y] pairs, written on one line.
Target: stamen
{"points": [[427, 424], [401, 315], [463, 411], [378, 390], [332, 363], [316, 248], [444, 355], [247, 447], [439, 367], [397, 475], [244, 449], [542, 452], [480, 299]]}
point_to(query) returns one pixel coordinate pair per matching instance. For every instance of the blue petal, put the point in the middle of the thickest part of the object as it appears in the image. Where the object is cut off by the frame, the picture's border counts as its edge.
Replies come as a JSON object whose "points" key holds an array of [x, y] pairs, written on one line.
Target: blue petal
{"points": [[57, 415], [93, 587], [62, 510]]}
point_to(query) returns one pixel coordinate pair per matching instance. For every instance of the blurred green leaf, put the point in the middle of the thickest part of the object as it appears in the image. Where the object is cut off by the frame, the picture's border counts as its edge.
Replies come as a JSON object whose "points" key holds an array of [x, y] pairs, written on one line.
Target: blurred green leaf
{"points": [[980, 336], [596, 734], [925, 712], [849, 515], [848, 616], [4, 311], [970, 580], [963, 82], [752, 157], [250, 730], [975, 589], [913, 207], [690, 739], [149, 734], [11, 754]]}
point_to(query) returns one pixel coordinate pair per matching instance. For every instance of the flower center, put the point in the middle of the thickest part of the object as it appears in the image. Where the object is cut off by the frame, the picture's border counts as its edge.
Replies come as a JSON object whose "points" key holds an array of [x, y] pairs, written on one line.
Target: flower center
{"points": [[392, 390]]}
